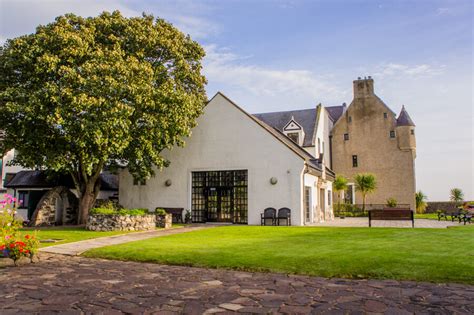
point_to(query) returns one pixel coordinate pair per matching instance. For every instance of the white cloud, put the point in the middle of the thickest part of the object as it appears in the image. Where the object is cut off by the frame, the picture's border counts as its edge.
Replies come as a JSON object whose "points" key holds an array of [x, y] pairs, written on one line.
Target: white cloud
{"points": [[263, 84], [394, 69], [197, 27], [21, 17]]}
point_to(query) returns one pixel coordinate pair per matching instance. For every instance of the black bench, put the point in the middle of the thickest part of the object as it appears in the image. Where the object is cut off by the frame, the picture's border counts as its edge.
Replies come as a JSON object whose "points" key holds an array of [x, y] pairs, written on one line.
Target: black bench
{"points": [[176, 213], [392, 214]]}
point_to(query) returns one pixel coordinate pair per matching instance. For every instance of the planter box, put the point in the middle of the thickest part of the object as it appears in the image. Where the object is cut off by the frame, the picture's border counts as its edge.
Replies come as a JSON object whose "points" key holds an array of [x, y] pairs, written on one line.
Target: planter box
{"points": [[164, 221], [101, 222]]}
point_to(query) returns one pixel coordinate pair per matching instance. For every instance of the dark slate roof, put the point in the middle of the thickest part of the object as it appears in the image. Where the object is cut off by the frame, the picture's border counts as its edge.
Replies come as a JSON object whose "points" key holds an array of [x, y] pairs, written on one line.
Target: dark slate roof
{"points": [[404, 119], [336, 111], [306, 118], [39, 179]]}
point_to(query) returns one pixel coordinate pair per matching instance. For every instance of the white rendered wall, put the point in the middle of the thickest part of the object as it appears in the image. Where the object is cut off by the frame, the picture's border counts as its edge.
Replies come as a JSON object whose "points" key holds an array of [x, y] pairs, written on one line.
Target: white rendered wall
{"points": [[225, 139], [8, 169]]}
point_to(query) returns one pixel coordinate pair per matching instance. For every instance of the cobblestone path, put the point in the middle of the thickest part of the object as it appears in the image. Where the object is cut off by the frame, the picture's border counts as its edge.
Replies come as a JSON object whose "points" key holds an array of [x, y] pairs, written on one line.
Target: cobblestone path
{"points": [[78, 285]]}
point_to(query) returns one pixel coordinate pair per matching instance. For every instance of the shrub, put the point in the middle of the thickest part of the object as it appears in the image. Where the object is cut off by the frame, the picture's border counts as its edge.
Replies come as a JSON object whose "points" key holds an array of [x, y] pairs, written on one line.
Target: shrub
{"points": [[392, 202], [160, 211], [108, 211]]}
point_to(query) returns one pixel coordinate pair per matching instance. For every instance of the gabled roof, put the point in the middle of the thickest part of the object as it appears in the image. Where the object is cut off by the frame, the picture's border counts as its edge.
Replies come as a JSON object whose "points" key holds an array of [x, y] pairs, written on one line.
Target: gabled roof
{"points": [[335, 112], [306, 118], [404, 119], [39, 179], [308, 158]]}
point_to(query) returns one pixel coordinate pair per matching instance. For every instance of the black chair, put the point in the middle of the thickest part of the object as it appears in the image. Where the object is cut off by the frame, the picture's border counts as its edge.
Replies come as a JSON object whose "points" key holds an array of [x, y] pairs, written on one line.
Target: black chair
{"points": [[284, 214], [268, 214]]}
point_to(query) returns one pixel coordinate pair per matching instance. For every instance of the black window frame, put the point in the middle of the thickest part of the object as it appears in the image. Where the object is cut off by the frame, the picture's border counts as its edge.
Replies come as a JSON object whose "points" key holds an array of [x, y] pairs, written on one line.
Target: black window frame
{"points": [[392, 134], [346, 137], [355, 161], [290, 134]]}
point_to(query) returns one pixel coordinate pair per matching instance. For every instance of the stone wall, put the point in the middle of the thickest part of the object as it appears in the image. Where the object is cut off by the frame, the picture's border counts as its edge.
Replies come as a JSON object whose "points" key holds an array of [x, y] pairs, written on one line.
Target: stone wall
{"points": [[164, 221], [58, 206], [440, 205], [100, 222]]}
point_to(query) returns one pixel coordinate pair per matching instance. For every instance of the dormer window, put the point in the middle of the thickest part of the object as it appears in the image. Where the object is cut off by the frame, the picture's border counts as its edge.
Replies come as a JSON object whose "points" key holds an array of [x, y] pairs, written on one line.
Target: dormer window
{"points": [[294, 131], [294, 136]]}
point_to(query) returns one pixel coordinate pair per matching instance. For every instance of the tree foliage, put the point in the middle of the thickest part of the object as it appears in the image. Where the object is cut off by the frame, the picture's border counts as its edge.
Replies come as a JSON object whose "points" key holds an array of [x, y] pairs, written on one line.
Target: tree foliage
{"points": [[456, 195], [339, 185], [83, 93], [365, 183], [420, 202]]}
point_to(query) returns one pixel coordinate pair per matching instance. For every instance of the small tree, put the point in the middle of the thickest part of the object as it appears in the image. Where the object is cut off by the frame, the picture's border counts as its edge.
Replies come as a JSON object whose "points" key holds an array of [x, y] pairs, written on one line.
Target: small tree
{"points": [[456, 195], [339, 185], [420, 201], [365, 183]]}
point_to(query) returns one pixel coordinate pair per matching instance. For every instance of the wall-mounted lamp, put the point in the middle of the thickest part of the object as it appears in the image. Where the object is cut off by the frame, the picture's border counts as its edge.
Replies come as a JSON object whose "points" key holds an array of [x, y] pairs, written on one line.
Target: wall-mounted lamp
{"points": [[273, 180], [168, 182]]}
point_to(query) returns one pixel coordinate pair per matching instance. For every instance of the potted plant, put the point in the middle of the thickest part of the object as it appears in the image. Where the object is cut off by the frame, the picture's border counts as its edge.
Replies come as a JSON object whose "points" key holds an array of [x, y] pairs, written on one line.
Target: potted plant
{"points": [[187, 217]]}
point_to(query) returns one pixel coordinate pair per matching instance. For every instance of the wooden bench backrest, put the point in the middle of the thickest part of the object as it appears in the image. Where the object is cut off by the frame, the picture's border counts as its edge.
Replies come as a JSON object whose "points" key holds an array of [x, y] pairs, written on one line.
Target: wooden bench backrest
{"points": [[392, 214]]}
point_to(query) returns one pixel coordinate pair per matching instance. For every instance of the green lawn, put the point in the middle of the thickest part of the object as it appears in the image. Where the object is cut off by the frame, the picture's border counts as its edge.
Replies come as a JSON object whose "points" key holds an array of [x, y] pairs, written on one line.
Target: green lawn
{"points": [[438, 255], [67, 234], [432, 216]]}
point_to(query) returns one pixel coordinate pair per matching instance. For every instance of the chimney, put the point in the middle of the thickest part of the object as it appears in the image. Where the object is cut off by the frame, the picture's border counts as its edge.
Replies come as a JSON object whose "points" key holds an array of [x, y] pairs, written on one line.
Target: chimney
{"points": [[363, 87]]}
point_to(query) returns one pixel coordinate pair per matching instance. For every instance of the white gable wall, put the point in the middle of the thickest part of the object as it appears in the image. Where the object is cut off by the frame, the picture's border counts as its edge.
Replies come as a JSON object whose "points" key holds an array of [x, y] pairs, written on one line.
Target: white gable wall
{"points": [[225, 139]]}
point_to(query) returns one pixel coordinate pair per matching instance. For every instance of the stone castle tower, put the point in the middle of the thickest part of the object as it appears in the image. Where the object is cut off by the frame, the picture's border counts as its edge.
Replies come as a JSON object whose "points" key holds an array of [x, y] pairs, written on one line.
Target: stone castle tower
{"points": [[369, 138]]}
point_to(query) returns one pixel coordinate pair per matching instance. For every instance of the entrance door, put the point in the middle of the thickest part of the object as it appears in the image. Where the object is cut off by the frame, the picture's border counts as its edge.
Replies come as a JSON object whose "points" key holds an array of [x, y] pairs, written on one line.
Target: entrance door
{"points": [[219, 196], [219, 204], [322, 203], [307, 204]]}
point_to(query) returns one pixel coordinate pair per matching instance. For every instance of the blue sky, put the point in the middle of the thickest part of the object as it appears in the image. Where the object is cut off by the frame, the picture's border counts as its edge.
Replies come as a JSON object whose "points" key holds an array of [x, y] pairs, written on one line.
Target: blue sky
{"points": [[277, 55]]}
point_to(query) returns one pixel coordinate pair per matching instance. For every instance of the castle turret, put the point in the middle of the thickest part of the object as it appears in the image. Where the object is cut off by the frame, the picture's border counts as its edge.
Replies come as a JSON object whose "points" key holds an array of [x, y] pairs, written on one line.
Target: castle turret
{"points": [[406, 132], [363, 87]]}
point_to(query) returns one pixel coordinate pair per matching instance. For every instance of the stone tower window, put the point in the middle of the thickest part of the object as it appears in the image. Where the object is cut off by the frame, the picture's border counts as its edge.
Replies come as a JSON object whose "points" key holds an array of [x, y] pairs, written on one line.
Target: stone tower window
{"points": [[354, 161], [350, 119], [392, 133], [346, 136], [412, 131], [385, 115]]}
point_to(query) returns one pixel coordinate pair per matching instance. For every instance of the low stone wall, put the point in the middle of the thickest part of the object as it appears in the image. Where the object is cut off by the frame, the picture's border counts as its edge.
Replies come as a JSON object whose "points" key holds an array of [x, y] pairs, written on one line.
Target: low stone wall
{"points": [[100, 222], [432, 206], [164, 221]]}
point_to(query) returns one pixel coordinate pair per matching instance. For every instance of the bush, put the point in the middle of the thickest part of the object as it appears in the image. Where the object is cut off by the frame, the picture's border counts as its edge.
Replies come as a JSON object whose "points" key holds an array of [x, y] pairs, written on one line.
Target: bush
{"points": [[392, 202], [160, 211], [12, 244], [108, 211]]}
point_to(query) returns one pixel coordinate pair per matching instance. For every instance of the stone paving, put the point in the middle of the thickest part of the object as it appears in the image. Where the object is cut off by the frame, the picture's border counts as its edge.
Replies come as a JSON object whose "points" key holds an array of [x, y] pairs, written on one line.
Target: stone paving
{"points": [[77, 248], [364, 222], [78, 285]]}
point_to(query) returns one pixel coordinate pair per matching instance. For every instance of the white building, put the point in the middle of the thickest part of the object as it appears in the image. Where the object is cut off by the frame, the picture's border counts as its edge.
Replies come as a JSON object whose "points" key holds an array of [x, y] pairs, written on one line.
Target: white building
{"points": [[236, 164]]}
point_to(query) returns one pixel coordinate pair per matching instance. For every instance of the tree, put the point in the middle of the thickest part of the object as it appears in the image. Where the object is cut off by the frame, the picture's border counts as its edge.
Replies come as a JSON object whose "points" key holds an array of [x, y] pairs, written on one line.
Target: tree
{"points": [[456, 195], [365, 183], [81, 94], [339, 185], [420, 202]]}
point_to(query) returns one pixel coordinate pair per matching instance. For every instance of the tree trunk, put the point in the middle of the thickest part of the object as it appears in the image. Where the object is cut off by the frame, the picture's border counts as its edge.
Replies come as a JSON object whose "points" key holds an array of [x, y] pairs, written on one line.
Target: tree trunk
{"points": [[87, 199]]}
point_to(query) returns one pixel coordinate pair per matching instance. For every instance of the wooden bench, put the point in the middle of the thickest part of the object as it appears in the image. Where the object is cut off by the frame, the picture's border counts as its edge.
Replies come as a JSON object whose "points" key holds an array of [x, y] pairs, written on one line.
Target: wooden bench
{"points": [[392, 214], [176, 213]]}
